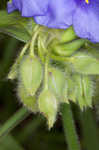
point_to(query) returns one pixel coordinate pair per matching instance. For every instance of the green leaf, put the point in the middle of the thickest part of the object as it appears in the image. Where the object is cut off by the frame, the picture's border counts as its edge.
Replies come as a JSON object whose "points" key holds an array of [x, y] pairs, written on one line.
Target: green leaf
{"points": [[85, 64], [16, 26]]}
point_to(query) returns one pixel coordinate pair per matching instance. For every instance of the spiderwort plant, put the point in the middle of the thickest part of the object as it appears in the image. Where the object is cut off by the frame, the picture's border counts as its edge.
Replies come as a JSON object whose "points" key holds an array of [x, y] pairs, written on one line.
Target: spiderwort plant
{"points": [[54, 67]]}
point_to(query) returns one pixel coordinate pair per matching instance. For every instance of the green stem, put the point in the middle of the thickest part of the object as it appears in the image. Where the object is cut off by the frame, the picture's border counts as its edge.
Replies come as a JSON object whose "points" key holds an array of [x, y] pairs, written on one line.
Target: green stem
{"points": [[46, 72], [44, 48], [20, 115], [32, 44], [24, 49], [89, 130], [40, 51], [69, 128]]}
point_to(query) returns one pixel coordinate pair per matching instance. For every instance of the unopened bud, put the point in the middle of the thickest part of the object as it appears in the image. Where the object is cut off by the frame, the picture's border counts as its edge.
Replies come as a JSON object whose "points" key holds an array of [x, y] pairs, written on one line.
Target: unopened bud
{"points": [[68, 35], [48, 106], [67, 49], [30, 73], [13, 72]]}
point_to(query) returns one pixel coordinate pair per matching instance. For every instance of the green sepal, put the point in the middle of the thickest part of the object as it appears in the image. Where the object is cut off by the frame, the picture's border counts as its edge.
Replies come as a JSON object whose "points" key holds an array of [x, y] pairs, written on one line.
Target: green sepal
{"points": [[80, 99], [72, 89], [57, 82], [80, 90], [85, 91], [88, 89]]}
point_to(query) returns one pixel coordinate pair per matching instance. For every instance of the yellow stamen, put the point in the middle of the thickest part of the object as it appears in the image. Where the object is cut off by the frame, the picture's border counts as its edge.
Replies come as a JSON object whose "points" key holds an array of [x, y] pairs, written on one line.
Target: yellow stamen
{"points": [[87, 1]]}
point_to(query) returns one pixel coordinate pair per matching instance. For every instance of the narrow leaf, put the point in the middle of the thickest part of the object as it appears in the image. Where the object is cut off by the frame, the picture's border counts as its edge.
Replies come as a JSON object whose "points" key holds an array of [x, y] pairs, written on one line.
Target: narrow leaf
{"points": [[16, 26]]}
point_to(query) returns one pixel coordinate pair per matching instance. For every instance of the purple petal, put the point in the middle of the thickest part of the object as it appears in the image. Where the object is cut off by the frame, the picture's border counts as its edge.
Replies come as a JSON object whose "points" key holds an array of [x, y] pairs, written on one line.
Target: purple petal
{"points": [[30, 8], [10, 7], [34, 7], [58, 15], [17, 4], [86, 21]]}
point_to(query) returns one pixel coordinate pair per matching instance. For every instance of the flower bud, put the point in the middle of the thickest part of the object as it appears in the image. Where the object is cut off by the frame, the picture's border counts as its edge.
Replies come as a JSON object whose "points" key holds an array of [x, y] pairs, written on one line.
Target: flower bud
{"points": [[30, 73], [48, 106], [57, 82], [14, 71], [67, 49], [68, 35], [27, 100]]}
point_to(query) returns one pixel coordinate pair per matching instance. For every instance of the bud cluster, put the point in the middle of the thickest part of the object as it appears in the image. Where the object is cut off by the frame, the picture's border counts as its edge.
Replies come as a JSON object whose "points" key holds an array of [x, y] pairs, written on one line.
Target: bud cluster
{"points": [[48, 72]]}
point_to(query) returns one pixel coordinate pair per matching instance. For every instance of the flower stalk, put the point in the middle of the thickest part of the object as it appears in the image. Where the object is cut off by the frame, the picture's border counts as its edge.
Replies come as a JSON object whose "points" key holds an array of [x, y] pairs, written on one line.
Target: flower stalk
{"points": [[33, 40], [69, 128], [46, 72]]}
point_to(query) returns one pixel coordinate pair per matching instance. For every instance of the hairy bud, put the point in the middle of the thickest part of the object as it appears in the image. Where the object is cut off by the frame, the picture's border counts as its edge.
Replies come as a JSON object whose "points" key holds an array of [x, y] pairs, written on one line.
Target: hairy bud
{"points": [[48, 106], [30, 73]]}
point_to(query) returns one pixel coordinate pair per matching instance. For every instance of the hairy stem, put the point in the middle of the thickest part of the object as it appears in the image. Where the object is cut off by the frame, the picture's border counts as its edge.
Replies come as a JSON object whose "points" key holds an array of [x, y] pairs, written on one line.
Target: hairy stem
{"points": [[33, 40], [69, 128], [40, 51]]}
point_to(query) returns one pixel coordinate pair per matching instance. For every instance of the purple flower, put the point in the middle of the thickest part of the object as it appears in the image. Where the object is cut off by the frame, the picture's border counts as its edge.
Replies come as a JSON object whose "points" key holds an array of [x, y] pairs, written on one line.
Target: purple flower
{"points": [[82, 14]]}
